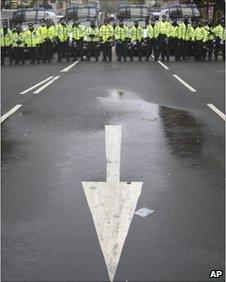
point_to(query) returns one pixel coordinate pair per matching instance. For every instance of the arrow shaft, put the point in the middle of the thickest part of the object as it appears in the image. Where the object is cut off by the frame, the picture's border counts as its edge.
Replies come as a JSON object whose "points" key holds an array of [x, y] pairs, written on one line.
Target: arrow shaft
{"points": [[113, 152]]}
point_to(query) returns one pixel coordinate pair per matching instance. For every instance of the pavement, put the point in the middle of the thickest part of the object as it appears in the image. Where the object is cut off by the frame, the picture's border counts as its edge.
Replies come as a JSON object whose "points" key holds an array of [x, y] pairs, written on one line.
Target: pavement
{"points": [[172, 139]]}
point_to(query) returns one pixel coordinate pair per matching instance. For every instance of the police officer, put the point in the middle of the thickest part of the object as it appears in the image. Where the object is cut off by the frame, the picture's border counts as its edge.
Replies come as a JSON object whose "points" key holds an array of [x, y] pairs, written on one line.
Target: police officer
{"points": [[174, 39], [31, 41], [61, 36], [40, 44], [6, 43], [136, 37], [18, 43], [92, 39], [48, 33], [185, 35], [209, 39], [199, 36], [121, 39], [162, 30], [219, 39], [106, 37], [151, 39], [78, 33]]}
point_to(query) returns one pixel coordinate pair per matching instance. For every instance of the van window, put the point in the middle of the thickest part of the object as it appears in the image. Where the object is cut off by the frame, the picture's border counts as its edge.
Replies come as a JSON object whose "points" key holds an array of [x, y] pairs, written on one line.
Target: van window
{"points": [[40, 15], [30, 15]]}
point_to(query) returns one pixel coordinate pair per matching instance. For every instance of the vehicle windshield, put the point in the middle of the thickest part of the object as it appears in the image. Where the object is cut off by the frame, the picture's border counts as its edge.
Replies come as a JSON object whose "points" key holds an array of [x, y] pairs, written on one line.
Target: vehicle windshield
{"points": [[81, 13], [133, 12]]}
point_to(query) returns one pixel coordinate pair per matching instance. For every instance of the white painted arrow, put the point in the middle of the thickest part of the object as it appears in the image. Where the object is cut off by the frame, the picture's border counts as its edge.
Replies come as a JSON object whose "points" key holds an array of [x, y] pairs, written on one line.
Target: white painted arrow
{"points": [[112, 203]]}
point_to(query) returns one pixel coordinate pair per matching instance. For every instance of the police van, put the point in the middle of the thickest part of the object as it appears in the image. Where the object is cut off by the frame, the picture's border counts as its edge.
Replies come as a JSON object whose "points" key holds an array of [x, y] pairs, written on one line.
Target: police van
{"points": [[179, 11], [32, 15], [130, 13], [84, 14]]}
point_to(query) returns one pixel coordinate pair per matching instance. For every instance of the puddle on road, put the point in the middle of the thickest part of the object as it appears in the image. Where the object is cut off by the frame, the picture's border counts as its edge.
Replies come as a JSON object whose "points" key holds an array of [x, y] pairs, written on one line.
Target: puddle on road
{"points": [[128, 103], [183, 132]]}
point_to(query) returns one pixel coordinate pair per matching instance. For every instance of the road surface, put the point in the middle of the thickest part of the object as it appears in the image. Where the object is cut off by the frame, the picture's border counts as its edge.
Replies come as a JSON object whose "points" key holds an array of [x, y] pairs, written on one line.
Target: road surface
{"points": [[171, 118]]}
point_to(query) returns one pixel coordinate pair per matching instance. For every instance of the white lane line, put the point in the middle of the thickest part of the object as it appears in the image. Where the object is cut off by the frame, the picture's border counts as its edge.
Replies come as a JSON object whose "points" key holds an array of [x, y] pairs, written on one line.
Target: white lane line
{"points": [[36, 85], [184, 83], [45, 85], [163, 65], [215, 109], [69, 67], [112, 203], [10, 112]]}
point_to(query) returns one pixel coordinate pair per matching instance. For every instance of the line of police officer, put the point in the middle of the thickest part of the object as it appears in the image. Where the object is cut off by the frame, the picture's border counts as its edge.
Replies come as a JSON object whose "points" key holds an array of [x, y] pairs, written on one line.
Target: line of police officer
{"points": [[161, 38]]}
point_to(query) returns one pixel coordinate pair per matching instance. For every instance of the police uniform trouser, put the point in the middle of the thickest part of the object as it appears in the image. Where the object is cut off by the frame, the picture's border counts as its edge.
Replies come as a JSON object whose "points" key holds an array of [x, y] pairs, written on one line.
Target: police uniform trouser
{"points": [[18, 54], [121, 49], [62, 50], [6, 51], [107, 50], [48, 50], [184, 48], [92, 50], [136, 48], [77, 49], [217, 47], [162, 46], [151, 47], [209, 45], [198, 50], [32, 53], [175, 47]]}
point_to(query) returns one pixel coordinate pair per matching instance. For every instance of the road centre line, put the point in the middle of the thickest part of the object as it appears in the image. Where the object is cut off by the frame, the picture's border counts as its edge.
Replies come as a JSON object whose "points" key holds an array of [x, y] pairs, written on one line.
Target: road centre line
{"points": [[45, 85], [163, 65], [184, 83], [69, 67], [10, 112], [36, 85], [216, 110]]}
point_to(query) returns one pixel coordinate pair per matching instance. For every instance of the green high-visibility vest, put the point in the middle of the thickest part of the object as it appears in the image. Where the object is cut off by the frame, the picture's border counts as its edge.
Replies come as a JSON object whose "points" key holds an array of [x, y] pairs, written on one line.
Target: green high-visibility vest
{"points": [[31, 38], [6, 39], [121, 33], [136, 33], [106, 32]]}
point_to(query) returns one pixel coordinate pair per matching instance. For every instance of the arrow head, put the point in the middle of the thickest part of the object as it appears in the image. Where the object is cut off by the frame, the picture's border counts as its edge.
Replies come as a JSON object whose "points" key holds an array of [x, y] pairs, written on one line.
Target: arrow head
{"points": [[112, 206]]}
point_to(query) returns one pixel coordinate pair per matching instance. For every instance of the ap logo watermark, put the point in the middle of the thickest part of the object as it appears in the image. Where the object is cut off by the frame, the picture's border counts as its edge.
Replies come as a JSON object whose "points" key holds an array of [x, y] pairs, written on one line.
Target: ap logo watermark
{"points": [[216, 273]]}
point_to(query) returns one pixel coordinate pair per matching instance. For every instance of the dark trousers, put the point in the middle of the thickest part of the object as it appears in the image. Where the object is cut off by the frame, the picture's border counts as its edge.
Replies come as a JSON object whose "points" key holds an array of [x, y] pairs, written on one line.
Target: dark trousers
{"points": [[151, 47], [175, 46], [162, 47], [219, 47], [47, 50], [198, 50], [121, 50], [6, 51], [77, 49], [107, 51], [62, 50], [184, 48], [209, 46], [33, 53], [92, 50], [18, 54], [136, 48]]}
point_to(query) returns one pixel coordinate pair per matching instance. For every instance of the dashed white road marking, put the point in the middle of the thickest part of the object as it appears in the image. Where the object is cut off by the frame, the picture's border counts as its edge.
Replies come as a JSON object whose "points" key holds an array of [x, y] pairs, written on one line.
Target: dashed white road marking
{"points": [[112, 203], [10, 112], [216, 110], [184, 83], [36, 85], [163, 65], [45, 85], [69, 67]]}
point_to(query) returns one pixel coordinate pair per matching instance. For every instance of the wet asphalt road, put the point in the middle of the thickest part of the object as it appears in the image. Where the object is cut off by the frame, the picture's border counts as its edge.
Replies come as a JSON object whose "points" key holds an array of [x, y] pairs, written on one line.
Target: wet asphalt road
{"points": [[171, 141]]}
